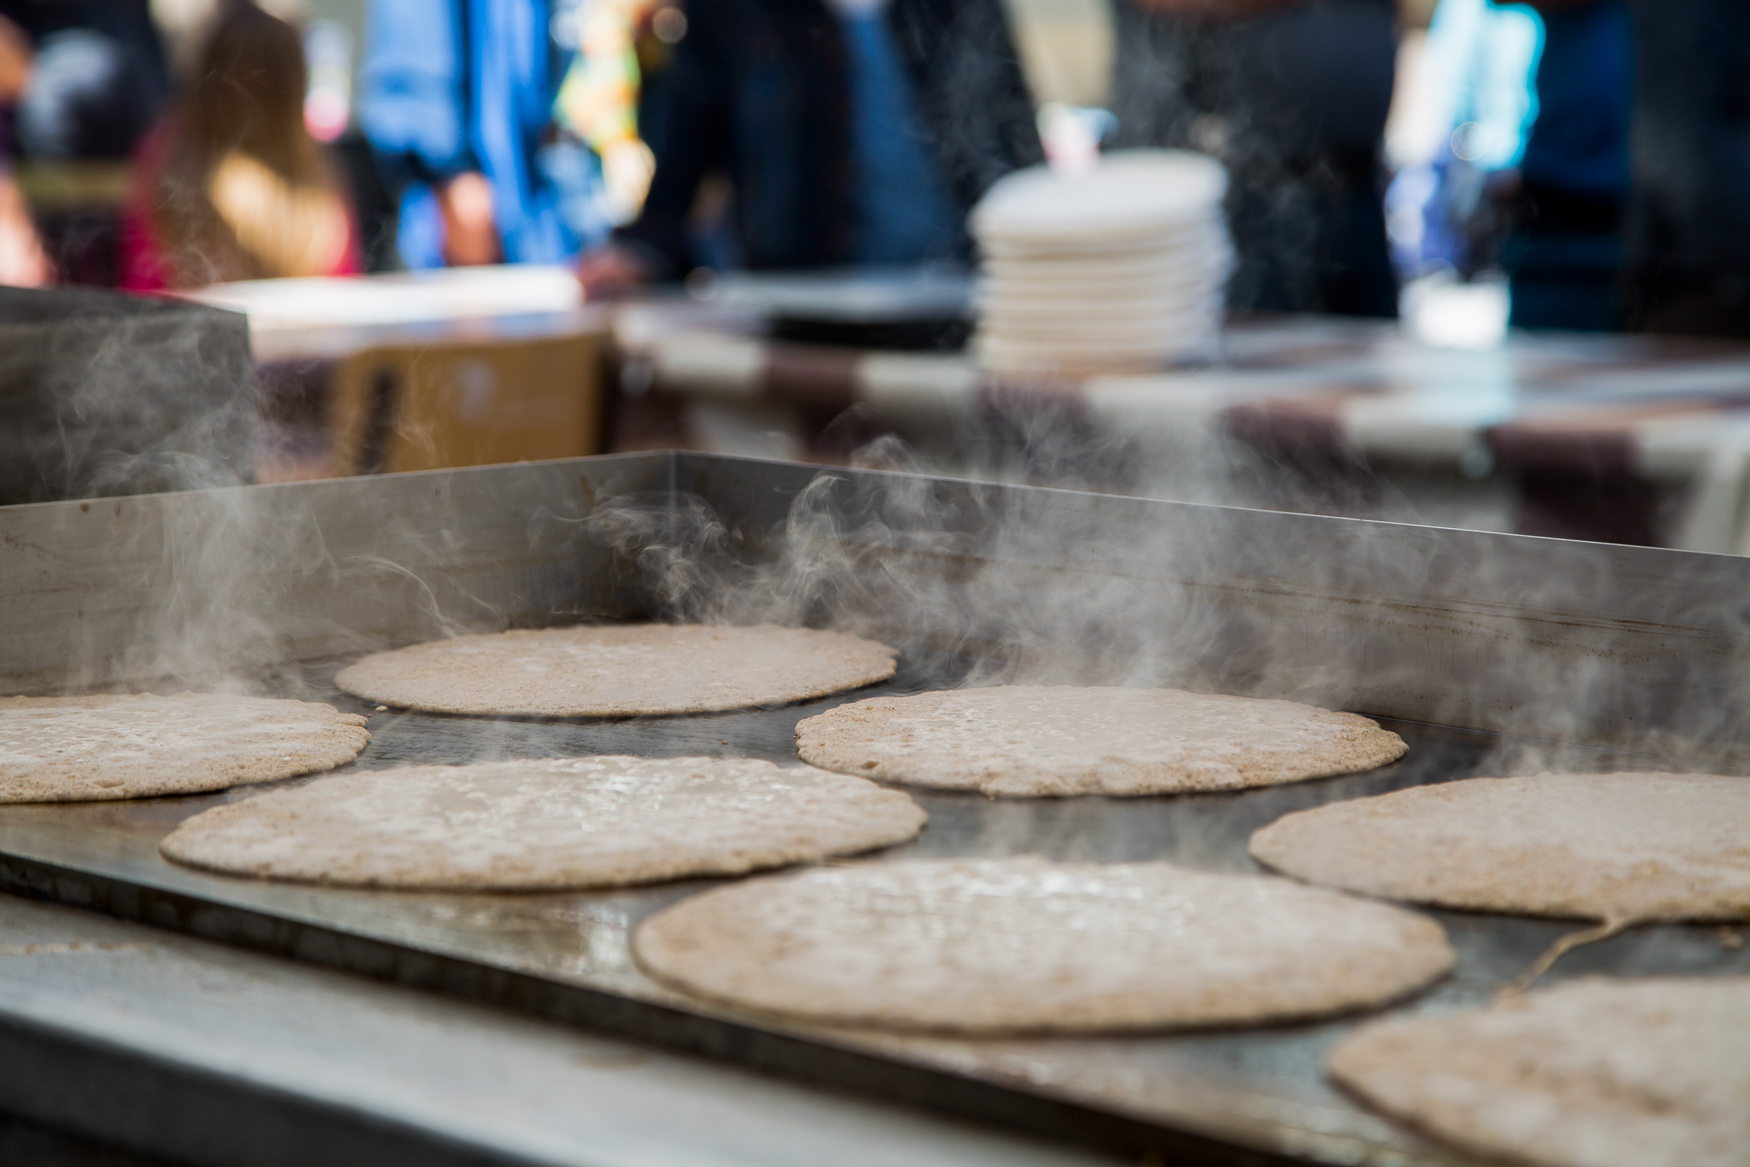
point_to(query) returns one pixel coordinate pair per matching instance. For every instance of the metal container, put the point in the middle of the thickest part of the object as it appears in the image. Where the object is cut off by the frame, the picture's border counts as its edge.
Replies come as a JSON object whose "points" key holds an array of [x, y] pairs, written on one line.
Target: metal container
{"points": [[1490, 653], [106, 394]]}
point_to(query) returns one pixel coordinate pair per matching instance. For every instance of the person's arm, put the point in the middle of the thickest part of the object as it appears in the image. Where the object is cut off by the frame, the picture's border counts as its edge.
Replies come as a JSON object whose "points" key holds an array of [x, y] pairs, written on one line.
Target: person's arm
{"points": [[470, 230], [22, 261], [16, 61], [413, 107], [689, 137]]}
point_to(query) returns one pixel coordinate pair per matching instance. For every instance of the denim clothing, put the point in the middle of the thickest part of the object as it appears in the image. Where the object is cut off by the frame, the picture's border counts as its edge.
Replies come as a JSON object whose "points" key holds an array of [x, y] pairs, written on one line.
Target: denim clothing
{"points": [[1564, 254], [447, 86], [1585, 80], [1689, 211], [761, 91], [904, 212], [1294, 103]]}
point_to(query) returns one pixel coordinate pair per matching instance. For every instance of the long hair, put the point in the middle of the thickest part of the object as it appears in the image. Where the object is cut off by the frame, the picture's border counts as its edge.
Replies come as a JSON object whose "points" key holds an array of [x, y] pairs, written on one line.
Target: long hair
{"points": [[245, 192]]}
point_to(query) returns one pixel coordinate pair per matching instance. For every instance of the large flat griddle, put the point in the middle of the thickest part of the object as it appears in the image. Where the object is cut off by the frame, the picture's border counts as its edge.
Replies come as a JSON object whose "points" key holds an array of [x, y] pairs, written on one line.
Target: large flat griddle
{"points": [[1419, 625]]}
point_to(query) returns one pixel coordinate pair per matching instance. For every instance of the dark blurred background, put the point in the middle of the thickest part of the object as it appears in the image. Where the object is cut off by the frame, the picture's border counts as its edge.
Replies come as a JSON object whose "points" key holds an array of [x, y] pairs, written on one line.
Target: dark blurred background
{"points": [[1480, 250], [1592, 156]]}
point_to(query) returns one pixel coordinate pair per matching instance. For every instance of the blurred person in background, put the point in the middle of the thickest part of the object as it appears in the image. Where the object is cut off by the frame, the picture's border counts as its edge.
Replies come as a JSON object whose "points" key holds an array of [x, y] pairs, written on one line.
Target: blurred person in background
{"points": [[1532, 173], [97, 82], [1563, 251], [622, 46], [232, 186], [849, 132], [1292, 96], [22, 262], [493, 121], [1689, 209]]}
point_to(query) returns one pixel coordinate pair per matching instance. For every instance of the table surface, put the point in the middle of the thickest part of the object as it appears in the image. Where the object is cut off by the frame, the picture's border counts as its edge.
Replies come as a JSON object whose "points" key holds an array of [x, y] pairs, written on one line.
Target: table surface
{"points": [[1671, 411], [1367, 375], [321, 317]]}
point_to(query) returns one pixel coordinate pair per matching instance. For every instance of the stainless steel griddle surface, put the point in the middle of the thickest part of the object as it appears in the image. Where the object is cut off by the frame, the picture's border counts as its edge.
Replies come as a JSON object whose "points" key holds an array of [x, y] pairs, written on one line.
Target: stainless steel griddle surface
{"points": [[1232, 1096], [1630, 648]]}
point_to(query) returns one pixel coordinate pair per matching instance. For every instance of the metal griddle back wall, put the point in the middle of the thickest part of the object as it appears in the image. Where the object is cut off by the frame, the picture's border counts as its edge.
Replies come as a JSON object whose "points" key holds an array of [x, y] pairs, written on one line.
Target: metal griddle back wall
{"points": [[1630, 647]]}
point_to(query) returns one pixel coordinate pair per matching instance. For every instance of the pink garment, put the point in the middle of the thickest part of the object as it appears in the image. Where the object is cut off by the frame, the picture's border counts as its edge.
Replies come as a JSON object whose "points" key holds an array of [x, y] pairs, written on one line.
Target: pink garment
{"points": [[140, 262]]}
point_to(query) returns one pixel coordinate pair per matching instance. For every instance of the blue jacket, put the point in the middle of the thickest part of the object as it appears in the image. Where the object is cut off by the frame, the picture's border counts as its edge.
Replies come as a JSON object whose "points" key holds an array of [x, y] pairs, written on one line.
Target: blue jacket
{"points": [[759, 91], [453, 85]]}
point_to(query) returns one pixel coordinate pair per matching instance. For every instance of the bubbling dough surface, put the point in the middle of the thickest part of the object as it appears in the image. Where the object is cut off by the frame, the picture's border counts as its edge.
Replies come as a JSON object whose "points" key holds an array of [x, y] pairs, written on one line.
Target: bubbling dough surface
{"points": [[1026, 740], [619, 670], [1620, 847], [986, 946], [1594, 1073], [108, 746], [546, 825]]}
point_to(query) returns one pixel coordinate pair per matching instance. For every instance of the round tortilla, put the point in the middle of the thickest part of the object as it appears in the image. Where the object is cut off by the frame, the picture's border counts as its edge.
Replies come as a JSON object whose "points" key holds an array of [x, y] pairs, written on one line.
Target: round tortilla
{"points": [[1594, 1073], [619, 670], [983, 946], [1612, 847], [1132, 197], [1118, 267], [1028, 741], [546, 825], [107, 746]]}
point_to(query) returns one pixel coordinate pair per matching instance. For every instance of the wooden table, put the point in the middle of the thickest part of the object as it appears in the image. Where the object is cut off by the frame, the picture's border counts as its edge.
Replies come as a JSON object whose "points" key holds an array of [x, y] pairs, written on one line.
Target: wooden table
{"points": [[417, 371]]}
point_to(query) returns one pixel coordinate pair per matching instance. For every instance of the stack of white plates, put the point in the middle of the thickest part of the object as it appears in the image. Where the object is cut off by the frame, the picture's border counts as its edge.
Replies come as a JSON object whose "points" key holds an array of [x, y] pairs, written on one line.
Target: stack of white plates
{"points": [[1121, 267]]}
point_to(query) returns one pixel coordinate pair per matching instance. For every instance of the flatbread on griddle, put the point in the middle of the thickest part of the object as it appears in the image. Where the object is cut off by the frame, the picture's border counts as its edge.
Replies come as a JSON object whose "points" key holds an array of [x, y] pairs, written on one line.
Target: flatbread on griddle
{"points": [[1614, 847], [619, 670], [546, 825], [1593, 1073], [982, 946], [107, 746], [1024, 740]]}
